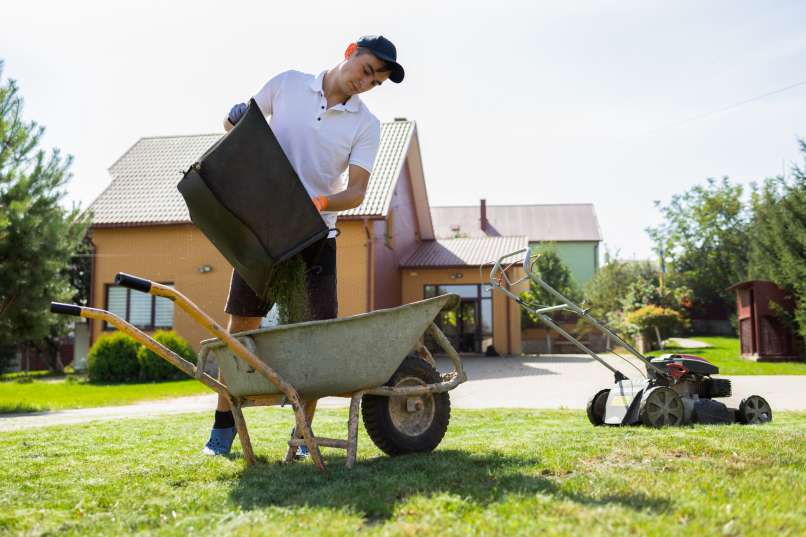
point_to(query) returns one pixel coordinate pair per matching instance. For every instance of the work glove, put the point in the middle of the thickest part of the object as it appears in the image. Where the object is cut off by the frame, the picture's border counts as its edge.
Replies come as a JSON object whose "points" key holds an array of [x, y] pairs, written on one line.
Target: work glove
{"points": [[236, 113], [320, 202]]}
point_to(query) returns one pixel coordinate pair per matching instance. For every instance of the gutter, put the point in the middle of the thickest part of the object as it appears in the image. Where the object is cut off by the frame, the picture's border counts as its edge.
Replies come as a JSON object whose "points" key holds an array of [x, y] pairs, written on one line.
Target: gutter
{"points": [[370, 274]]}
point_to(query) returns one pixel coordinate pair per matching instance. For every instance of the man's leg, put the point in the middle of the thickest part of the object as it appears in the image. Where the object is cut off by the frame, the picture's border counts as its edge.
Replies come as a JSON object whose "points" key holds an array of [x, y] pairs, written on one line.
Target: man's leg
{"points": [[236, 323], [323, 298], [246, 311]]}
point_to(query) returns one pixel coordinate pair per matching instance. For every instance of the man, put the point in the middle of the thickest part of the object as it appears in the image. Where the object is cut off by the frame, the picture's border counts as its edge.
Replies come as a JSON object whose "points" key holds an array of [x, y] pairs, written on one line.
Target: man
{"points": [[324, 128]]}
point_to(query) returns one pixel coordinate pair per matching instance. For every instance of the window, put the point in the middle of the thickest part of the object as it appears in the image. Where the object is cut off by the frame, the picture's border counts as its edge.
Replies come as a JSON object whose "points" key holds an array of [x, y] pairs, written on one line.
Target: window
{"points": [[143, 310]]}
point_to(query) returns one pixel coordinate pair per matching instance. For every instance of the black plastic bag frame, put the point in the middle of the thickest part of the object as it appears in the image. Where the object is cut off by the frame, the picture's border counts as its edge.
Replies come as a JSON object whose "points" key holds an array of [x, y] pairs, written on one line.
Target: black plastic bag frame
{"points": [[245, 196]]}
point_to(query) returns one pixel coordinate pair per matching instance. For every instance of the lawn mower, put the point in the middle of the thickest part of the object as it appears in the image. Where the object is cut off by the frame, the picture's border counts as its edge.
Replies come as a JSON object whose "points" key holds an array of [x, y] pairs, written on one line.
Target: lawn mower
{"points": [[674, 389]]}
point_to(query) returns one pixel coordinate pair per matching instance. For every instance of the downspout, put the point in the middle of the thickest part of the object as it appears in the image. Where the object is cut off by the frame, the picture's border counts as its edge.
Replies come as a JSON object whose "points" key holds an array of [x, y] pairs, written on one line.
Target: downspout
{"points": [[509, 325], [91, 297], [370, 274]]}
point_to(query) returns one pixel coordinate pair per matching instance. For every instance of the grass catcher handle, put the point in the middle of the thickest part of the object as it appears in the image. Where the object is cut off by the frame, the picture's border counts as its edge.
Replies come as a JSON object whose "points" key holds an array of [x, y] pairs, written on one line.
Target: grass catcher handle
{"points": [[133, 282], [66, 309]]}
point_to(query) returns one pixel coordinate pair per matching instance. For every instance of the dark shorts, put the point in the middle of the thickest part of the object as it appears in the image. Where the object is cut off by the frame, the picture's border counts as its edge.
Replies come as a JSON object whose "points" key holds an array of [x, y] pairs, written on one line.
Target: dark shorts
{"points": [[321, 280]]}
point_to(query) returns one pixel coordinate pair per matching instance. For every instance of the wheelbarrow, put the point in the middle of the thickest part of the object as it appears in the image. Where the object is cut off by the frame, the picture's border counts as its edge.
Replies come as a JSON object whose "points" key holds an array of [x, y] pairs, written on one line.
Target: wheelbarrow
{"points": [[367, 358]]}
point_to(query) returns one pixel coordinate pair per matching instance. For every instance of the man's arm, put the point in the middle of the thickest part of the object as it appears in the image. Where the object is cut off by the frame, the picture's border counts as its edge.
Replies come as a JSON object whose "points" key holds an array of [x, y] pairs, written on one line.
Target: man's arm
{"points": [[353, 195]]}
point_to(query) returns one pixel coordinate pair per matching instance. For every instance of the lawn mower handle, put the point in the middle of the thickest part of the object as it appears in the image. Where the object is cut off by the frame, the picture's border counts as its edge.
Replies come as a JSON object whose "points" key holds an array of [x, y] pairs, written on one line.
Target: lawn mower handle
{"points": [[498, 279]]}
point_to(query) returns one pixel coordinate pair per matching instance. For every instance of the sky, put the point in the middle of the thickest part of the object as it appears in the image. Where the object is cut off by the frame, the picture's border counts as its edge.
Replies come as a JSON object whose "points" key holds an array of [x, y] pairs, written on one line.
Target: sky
{"points": [[615, 103]]}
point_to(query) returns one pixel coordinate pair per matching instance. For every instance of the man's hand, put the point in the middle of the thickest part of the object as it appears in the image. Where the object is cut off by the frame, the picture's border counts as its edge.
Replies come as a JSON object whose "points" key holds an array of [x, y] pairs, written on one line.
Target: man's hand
{"points": [[236, 113], [320, 202]]}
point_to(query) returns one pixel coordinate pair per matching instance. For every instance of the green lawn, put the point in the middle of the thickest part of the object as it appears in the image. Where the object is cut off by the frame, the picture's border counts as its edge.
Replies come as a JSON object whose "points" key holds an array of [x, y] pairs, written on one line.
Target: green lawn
{"points": [[497, 472], [725, 354], [35, 394]]}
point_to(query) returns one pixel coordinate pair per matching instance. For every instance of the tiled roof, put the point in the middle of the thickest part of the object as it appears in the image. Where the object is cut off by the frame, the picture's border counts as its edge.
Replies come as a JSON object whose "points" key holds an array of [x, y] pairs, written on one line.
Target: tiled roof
{"points": [[143, 188], [395, 138], [561, 222], [463, 252]]}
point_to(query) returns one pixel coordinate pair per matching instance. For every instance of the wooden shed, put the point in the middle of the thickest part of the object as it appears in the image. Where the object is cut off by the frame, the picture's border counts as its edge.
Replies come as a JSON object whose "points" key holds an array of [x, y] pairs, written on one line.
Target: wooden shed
{"points": [[763, 335]]}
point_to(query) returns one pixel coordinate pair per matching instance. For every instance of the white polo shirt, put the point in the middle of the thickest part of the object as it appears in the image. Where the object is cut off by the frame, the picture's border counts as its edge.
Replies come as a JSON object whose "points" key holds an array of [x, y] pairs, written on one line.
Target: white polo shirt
{"points": [[320, 142]]}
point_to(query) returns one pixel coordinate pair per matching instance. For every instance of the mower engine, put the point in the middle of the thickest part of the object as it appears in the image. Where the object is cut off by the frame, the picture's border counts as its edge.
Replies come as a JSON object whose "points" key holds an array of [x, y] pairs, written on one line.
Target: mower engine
{"points": [[679, 389]]}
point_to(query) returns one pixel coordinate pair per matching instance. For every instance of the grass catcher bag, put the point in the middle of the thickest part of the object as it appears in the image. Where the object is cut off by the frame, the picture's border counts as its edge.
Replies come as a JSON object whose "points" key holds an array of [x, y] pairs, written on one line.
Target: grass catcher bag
{"points": [[245, 196]]}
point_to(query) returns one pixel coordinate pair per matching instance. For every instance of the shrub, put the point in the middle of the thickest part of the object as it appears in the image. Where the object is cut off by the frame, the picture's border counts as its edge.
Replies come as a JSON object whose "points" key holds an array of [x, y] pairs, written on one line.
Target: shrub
{"points": [[649, 317], [113, 358], [152, 367]]}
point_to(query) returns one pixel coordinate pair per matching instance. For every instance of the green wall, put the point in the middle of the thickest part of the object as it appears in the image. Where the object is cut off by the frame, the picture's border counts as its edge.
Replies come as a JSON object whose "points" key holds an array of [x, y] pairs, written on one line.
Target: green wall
{"points": [[582, 258]]}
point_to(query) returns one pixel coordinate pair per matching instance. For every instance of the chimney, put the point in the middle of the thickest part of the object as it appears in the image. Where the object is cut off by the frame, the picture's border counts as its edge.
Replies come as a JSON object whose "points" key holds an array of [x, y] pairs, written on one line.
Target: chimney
{"points": [[484, 215]]}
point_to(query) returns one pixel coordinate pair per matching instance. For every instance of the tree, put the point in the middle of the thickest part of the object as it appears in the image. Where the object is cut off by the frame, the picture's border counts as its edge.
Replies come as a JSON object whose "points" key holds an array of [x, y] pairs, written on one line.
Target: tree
{"points": [[704, 236], [38, 237], [554, 272], [778, 237], [606, 292], [621, 288]]}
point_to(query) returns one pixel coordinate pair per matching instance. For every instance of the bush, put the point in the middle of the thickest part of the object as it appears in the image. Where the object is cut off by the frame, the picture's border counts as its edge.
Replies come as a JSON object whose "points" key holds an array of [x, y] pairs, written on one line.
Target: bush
{"points": [[152, 367], [113, 358], [649, 317]]}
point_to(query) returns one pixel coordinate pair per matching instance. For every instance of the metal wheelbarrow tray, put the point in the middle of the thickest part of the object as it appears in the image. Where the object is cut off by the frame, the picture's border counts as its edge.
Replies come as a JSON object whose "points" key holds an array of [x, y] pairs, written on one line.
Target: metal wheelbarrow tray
{"points": [[365, 357]]}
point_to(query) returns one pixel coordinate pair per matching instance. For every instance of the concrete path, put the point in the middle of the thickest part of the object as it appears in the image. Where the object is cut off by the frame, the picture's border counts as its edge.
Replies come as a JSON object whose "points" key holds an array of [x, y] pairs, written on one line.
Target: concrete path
{"points": [[563, 381], [684, 343]]}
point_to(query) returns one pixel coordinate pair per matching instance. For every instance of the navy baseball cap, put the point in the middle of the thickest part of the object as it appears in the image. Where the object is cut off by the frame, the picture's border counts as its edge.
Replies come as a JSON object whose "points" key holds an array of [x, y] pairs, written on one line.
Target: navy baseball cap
{"points": [[384, 50]]}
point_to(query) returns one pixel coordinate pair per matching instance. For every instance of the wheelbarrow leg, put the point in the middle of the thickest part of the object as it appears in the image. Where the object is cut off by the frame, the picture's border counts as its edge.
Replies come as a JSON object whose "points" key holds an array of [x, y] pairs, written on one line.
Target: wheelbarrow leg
{"points": [[352, 429], [303, 430], [243, 433], [309, 407]]}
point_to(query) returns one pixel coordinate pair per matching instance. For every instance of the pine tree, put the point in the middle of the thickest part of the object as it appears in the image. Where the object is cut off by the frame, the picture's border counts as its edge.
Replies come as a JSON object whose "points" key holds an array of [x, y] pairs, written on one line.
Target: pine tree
{"points": [[778, 237], [38, 236]]}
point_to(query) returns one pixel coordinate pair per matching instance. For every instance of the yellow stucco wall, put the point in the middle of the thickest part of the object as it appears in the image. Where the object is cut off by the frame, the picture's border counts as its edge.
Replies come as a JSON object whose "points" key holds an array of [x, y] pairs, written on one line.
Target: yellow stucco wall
{"points": [[352, 267], [506, 331], [170, 253], [174, 253]]}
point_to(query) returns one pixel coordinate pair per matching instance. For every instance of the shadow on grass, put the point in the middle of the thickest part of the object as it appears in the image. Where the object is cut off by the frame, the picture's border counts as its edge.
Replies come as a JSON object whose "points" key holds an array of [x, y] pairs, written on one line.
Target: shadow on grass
{"points": [[374, 487]]}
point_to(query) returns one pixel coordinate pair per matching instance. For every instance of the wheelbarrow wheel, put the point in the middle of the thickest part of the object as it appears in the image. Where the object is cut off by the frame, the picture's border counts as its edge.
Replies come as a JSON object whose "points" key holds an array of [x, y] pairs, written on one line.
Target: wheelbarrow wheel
{"points": [[401, 425]]}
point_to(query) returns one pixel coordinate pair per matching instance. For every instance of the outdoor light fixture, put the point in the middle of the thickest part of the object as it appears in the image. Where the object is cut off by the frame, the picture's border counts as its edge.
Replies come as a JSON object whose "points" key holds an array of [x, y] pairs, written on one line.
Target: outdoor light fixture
{"points": [[205, 268], [456, 276]]}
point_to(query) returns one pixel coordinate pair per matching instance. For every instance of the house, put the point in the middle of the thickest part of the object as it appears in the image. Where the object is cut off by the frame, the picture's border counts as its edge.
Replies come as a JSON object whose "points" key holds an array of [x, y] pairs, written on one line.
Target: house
{"points": [[387, 250], [572, 229]]}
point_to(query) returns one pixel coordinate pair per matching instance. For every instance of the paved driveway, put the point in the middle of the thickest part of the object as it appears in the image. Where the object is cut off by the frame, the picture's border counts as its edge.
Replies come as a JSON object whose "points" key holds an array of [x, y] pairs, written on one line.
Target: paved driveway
{"points": [[568, 381], [564, 381]]}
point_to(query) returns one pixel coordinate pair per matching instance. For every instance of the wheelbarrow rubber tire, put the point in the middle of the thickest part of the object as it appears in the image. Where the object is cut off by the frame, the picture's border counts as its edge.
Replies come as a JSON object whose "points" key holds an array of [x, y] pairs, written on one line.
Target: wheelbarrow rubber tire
{"points": [[597, 406], [395, 430]]}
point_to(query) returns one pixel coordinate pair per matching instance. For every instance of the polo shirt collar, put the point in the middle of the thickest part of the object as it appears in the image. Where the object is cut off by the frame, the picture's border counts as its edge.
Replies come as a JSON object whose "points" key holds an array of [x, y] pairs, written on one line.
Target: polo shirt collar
{"points": [[352, 104]]}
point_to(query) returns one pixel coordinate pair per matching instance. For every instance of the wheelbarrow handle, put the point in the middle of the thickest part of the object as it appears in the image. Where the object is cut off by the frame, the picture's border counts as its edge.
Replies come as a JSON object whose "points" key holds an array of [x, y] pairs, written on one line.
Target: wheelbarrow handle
{"points": [[66, 309], [133, 282]]}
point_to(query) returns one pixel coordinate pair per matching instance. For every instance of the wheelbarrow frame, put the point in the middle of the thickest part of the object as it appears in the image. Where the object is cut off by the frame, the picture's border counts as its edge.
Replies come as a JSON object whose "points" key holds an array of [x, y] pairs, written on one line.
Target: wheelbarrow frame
{"points": [[240, 347]]}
